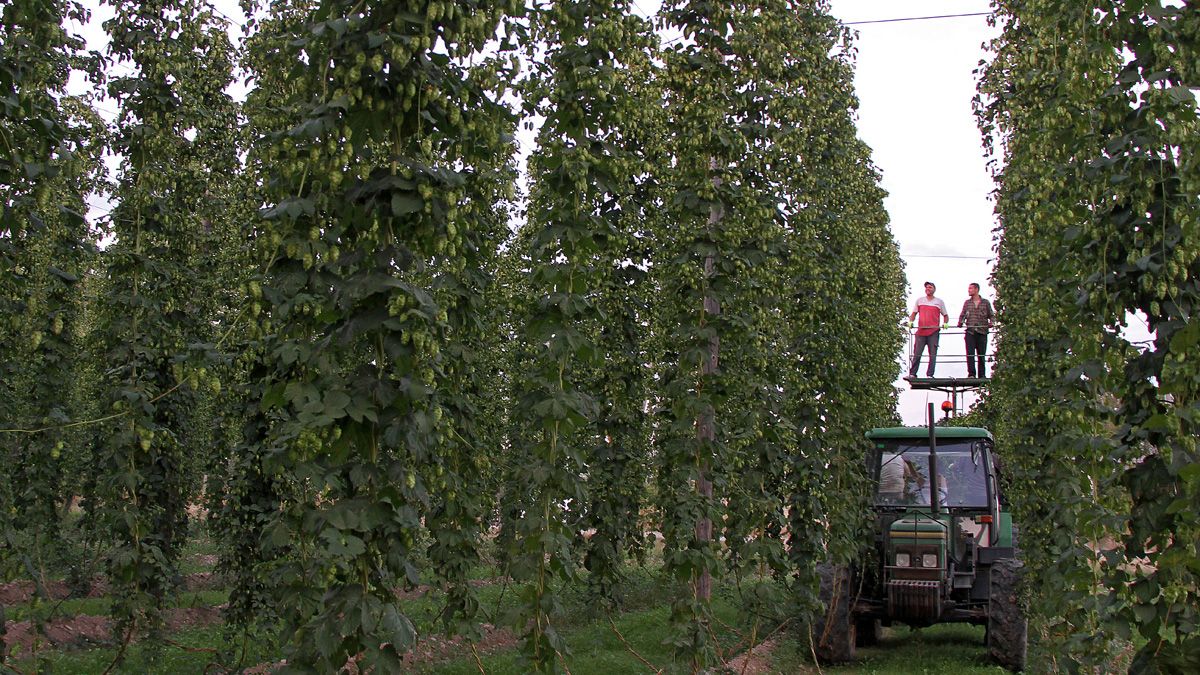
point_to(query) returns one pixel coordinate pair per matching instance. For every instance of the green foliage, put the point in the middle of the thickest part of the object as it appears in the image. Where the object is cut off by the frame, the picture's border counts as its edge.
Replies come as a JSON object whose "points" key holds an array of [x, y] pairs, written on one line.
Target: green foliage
{"points": [[383, 184], [764, 241], [580, 248], [468, 379], [174, 133], [717, 220], [247, 500], [49, 161], [1091, 103], [838, 365], [327, 317]]}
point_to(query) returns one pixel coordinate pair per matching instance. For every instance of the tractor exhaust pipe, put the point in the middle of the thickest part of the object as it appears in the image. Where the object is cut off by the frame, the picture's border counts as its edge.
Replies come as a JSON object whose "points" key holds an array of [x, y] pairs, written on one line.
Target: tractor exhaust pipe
{"points": [[934, 491]]}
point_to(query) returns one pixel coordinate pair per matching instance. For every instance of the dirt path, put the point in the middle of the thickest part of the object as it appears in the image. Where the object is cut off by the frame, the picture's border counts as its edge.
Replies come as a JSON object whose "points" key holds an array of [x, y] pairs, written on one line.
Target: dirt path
{"points": [[85, 630], [430, 649], [756, 661], [20, 592]]}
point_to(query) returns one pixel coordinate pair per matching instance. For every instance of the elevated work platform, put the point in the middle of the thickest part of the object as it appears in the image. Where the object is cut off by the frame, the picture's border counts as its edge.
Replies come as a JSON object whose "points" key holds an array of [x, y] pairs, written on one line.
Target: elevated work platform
{"points": [[949, 385], [952, 361]]}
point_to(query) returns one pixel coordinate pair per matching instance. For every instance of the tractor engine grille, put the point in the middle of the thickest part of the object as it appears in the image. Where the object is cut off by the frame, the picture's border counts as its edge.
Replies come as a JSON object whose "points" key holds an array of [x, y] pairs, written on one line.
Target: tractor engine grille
{"points": [[912, 600]]}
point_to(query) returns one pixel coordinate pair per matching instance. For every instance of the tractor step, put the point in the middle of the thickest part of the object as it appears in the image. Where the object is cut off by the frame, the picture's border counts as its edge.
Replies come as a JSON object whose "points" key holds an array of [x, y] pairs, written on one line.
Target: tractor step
{"points": [[963, 580]]}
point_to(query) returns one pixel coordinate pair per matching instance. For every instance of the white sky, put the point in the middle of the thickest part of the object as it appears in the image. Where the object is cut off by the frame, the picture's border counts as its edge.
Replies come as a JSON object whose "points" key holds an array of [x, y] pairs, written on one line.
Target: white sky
{"points": [[915, 83]]}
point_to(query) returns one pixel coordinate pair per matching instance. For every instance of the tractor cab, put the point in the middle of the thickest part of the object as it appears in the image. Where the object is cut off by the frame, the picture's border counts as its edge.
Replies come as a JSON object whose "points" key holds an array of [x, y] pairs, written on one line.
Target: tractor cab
{"points": [[966, 487]]}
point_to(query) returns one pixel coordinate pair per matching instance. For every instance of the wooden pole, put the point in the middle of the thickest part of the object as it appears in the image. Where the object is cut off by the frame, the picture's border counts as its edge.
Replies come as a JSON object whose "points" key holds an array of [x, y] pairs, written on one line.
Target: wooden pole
{"points": [[706, 424]]}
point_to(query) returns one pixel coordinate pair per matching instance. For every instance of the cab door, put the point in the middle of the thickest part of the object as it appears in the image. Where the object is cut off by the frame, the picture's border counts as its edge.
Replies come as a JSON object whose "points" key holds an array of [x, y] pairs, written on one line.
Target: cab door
{"points": [[993, 527]]}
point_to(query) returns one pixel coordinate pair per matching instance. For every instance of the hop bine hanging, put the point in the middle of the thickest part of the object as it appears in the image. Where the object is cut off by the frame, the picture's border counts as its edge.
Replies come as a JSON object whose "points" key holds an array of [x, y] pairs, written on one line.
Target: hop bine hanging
{"points": [[385, 177], [1092, 108]]}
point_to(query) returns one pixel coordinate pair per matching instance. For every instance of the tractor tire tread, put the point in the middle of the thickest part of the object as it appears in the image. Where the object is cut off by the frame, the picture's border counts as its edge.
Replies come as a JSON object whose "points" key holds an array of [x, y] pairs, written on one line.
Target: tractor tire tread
{"points": [[1007, 626], [834, 629]]}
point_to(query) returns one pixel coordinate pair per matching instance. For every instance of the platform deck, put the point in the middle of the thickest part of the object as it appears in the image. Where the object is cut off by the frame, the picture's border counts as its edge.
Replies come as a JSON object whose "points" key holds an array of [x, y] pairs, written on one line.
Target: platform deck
{"points": [[947, 383]]}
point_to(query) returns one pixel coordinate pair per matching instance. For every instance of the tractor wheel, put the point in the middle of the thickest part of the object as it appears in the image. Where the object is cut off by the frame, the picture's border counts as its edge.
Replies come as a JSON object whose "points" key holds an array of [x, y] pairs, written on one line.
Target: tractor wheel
{"points": [[867, 632], [834, 629], [1007, 629]]}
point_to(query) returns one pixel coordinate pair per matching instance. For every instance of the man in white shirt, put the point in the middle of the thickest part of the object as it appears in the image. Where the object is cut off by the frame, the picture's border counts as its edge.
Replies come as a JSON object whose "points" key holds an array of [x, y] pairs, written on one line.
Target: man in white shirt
{"points": [[932, 313]]}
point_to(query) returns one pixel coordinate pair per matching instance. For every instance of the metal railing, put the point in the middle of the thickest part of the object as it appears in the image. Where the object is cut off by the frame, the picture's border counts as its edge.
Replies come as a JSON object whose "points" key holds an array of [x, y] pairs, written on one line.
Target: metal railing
{"points": [[951, 353]]}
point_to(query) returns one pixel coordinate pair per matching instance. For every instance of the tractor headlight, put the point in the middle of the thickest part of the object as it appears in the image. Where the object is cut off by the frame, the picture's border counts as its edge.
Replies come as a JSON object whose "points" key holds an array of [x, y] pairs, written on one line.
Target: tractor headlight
{"points": [[929, 560], [903, 560]]}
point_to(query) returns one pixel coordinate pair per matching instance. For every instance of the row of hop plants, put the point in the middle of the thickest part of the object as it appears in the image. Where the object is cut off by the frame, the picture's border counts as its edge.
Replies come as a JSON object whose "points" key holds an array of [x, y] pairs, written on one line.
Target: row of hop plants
{"points": [[340, 315], [1091, 107]]}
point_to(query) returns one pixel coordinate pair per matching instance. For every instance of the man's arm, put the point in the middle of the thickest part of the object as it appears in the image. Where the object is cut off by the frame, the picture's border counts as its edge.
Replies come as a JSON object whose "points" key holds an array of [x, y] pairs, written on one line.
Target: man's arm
{"points": [[963, 314]]}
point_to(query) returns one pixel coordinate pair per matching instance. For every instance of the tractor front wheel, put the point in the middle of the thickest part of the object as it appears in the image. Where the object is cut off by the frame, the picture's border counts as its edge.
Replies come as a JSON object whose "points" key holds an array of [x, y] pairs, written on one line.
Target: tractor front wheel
{"points": [[834, 630], [1007, 628]]}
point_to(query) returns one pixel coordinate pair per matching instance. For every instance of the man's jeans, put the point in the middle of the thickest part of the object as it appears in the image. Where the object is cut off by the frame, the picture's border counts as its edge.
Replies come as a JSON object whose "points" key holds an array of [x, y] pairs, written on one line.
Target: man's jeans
{"points": [[976, 353], [919, 344]]}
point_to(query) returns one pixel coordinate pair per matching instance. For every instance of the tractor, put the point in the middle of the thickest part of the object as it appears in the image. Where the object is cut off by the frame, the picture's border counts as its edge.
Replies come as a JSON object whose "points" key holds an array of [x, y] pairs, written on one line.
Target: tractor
{"points": [[944, 547]]}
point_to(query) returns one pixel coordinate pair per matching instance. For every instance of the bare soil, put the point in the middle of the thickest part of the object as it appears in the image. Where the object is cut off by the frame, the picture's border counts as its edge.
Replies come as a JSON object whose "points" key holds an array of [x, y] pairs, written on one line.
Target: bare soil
{"points": [[438, 648], [84, 630], [756, 661], [81, 631], [431, 649], [20, 592]]}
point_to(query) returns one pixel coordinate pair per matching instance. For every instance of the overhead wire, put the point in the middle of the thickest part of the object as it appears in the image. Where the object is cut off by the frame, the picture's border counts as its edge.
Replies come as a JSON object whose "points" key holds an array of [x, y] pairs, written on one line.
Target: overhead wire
{"points": [[639, 8], [892, 20], [230, 19], [950, 257], [917, 18]]}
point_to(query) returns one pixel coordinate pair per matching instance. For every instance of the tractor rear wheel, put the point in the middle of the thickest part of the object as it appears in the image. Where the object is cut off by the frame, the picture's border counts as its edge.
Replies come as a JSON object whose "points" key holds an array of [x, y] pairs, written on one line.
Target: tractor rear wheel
{"points": [[834, 629], [1007, 628]]}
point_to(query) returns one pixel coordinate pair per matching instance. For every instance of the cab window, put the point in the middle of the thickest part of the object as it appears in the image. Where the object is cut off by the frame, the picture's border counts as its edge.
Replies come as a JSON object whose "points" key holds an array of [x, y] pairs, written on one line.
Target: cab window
{"points": [[902, 475]]}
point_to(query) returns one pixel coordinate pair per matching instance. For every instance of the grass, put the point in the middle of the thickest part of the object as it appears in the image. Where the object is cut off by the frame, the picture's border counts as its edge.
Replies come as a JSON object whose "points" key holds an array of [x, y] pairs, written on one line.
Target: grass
{"points": [[951, 649], [596, 648], [945, 649], [100, 606], [193, 650]]}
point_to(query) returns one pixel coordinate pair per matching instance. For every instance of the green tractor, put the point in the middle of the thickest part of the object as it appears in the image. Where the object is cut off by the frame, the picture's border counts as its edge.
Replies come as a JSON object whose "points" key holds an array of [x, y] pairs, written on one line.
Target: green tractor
{"points": [[944, 551]]}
